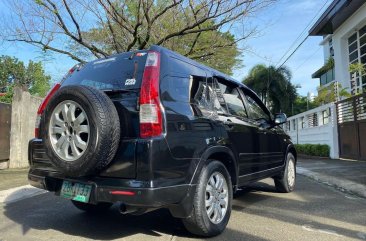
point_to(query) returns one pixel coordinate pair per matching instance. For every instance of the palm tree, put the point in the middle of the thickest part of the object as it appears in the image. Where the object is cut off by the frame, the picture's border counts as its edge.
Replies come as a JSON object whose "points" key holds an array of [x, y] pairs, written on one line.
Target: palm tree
{"points": [[273, 85]]}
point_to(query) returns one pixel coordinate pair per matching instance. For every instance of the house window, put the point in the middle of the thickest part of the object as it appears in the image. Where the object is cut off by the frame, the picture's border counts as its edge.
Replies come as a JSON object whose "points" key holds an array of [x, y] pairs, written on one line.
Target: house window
{"points": [[357, 54], [326, 115], [331, 50], [313, 120], [302, 122], [327, 77], [294, 124]]}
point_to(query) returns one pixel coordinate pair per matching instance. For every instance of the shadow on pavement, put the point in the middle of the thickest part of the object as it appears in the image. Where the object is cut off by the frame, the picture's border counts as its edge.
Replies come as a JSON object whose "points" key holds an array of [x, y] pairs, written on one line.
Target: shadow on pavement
{"points": [[48, 212], [304, 207]]}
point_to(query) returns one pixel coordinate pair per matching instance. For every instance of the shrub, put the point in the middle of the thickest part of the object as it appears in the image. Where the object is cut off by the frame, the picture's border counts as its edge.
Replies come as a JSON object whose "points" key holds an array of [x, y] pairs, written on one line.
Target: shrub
{"points": [[313, 149]]}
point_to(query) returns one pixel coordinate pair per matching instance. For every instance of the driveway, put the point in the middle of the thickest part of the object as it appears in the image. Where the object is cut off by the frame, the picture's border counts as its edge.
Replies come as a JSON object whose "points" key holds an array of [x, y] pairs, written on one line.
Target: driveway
{"points": [[313, 212]]}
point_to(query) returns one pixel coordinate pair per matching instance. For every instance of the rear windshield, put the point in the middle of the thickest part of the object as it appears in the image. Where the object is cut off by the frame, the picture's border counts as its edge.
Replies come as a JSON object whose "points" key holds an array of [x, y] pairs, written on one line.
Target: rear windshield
{"points": [[122, 71]]}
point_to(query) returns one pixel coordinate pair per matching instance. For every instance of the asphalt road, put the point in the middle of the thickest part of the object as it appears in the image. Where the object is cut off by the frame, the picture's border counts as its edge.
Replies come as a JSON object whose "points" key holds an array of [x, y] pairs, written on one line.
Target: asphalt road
{"points": [[312, 212]]}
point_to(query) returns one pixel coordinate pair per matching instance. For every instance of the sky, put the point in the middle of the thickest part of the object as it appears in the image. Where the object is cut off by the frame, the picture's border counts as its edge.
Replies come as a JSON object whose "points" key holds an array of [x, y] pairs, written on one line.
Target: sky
{"points": [[279, 25]]}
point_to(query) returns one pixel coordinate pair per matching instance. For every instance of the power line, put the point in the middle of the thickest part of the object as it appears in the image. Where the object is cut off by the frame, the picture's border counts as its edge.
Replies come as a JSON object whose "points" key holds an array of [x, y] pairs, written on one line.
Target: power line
{"points": [[298, 46], [307, 59], [305, 29]]}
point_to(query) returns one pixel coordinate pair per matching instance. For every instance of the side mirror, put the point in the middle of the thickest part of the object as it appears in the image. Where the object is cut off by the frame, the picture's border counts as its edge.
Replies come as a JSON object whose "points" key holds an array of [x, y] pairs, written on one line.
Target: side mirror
{"points": [[280, 118]]}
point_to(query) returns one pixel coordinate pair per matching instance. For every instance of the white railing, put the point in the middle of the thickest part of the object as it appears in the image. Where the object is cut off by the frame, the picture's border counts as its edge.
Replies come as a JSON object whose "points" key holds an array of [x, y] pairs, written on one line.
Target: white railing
{"points": [[315, 126]]}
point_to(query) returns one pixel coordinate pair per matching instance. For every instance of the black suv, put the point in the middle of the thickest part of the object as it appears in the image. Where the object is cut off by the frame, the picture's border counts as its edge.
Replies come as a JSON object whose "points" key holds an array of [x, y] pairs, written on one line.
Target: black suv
{"points": [[153, 129]]}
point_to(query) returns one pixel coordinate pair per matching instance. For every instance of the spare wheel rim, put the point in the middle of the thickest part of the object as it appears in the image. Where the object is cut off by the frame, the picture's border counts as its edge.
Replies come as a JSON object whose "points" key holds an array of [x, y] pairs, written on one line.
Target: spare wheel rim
{"points": [[69, 130]]}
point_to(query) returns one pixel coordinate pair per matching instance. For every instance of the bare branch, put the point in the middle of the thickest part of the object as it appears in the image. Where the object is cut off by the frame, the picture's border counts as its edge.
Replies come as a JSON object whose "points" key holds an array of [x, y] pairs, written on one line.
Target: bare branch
{"points": [[47, 47], [73, 19]]}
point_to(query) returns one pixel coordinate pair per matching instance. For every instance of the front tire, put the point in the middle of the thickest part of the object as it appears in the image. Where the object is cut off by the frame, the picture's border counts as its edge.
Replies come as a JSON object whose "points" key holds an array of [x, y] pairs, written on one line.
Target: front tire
{"points": [[211, 202], [286, 182]]}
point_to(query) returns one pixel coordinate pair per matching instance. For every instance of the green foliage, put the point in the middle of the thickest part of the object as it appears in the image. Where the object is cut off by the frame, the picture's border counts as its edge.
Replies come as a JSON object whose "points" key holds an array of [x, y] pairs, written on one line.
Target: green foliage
{"points": [[325, 68], [7, 98], [327, 94], [274, 87], [313, 149], [302, 104], [14, 73], [357, 68], [40, 82], [215, 48]]}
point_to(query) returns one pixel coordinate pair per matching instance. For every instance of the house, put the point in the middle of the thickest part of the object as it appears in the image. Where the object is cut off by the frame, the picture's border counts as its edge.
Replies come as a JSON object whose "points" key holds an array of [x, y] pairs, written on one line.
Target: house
{"points": [[343, 27], [339, 125]]}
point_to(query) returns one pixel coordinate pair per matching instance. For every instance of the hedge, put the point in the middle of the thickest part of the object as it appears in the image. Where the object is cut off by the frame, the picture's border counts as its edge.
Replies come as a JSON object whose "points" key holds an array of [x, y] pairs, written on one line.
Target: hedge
{"points": [[313, 149]]}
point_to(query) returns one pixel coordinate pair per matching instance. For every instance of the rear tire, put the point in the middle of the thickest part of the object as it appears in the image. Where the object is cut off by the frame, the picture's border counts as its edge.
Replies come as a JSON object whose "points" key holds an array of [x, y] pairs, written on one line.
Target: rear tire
{"points": [[286, 182], [202, 220], [103, 130], [92, 208]]}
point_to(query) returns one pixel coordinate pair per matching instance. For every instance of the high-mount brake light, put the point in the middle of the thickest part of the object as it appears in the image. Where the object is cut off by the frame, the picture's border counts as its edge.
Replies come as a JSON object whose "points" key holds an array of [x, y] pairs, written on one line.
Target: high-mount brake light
{"points": [[151, 119]]}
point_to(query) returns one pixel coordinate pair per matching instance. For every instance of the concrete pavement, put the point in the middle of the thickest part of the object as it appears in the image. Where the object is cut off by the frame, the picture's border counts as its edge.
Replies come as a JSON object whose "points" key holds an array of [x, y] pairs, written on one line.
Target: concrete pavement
{"points": [[10, 178], [346, 175], [313, 212]]}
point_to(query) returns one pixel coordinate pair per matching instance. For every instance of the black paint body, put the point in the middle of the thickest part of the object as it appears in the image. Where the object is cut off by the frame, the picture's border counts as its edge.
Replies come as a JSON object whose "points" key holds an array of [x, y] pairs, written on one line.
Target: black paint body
{"points": [[163, 171]]}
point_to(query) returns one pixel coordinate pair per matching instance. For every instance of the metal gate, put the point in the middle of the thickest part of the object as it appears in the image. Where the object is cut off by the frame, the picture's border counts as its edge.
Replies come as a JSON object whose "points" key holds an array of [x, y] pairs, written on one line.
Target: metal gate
{"points": [[5, 122], [351, 118]]}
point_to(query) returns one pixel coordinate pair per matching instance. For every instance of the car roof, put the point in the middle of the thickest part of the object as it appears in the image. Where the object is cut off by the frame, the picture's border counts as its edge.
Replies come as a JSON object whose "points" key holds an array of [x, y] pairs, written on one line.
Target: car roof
{"points": [[188, 60], [193, 62]]}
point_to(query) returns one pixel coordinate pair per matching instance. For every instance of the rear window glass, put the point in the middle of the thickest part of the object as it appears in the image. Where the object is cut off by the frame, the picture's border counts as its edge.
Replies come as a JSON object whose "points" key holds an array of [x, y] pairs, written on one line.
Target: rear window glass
{"points": [[123, 71]]}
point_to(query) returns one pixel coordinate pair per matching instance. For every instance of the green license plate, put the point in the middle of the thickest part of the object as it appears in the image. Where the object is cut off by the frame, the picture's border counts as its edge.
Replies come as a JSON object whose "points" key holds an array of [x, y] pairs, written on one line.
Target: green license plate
{"points": [[76, 191]]}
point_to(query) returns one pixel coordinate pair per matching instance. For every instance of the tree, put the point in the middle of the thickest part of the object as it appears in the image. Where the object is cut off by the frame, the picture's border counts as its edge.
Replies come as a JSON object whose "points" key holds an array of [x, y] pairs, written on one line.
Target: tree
{"points": [[327, 94], [85, 29], [14, 73], [302, 104], [273, 86]]}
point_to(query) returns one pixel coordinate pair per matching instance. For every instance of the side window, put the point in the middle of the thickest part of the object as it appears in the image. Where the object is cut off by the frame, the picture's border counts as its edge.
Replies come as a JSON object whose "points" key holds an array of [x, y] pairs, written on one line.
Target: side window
{"points": [[215, 97], [198, 90], [230, 94], [200, 97], [255, 110]]}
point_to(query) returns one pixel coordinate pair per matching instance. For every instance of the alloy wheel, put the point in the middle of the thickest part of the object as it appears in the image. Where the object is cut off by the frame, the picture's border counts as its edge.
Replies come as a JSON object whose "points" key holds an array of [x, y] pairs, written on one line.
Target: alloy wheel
{"points": [[216, 197], [69, 130]]}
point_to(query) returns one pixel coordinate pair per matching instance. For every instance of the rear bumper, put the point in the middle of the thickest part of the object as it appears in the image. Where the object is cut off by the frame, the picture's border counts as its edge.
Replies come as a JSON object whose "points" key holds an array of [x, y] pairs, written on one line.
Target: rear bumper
{"points": [[143, 196]]}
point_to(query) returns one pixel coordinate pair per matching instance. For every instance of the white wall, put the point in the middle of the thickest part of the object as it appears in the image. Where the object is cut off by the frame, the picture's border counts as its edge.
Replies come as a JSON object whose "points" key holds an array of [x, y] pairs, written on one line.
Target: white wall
{"points": [[340, 45], [321, 134]]}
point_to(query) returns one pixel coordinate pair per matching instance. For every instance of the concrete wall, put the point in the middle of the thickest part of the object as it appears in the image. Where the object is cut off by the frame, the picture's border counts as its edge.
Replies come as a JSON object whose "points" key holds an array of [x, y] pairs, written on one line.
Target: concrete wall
{"points": [[23, 118], [322, 133]]}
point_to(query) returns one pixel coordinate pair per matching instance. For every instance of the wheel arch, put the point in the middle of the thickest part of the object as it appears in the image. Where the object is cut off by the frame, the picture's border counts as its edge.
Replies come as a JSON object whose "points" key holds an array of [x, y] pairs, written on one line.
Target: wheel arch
{"points": [[222, 154], [291, 149]]}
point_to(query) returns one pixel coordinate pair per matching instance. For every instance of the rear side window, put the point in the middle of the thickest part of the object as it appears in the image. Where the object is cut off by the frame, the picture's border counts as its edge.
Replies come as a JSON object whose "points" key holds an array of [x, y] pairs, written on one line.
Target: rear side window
{"points": [[123, 71]]}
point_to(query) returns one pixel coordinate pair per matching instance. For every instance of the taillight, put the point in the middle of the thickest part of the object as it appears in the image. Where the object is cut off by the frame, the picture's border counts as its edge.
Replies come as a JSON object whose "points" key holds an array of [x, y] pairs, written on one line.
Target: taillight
{"points": [[151, 120], [43, 106]]}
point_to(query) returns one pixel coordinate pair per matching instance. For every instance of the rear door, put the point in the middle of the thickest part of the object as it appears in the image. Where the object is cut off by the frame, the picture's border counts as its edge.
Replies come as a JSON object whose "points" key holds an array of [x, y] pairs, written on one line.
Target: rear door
{"points": [[269, 143], [240, 130]]}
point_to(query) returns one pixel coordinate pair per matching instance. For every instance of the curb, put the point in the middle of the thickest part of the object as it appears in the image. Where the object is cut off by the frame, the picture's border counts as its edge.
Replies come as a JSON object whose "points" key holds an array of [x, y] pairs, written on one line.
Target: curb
{"points": [[342, 185], [19, 193]]}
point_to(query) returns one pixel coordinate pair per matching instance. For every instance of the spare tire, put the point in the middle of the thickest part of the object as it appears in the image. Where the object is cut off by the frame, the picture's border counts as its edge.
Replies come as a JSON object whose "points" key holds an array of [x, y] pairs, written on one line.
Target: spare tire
{"points": [[81, 130]]}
